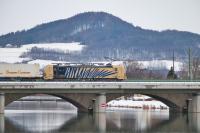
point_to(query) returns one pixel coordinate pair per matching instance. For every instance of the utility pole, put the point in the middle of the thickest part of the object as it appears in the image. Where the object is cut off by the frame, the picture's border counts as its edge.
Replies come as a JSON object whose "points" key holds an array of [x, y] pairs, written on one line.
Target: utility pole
{"points": [[190, 64], [173, 64]]}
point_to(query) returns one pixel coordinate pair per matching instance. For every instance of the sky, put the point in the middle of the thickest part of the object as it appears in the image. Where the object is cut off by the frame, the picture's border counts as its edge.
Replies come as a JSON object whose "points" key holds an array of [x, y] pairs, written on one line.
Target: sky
{"points": [[183, 15]]}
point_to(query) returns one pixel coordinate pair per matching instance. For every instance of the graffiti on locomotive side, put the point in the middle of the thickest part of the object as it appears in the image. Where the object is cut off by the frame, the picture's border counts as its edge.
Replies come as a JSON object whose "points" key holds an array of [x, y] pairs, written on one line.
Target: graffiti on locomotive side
{"points": [[74, 72]]}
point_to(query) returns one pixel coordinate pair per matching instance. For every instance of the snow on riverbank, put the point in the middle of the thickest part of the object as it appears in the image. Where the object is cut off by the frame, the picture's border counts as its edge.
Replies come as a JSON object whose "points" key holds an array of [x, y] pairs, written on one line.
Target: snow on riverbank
{"points": [[138, 104]]}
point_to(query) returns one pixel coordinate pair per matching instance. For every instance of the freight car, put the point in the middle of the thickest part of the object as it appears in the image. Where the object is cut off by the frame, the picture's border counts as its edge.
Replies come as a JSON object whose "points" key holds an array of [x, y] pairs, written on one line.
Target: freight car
{"points": [[84, 72], [19, 71]]}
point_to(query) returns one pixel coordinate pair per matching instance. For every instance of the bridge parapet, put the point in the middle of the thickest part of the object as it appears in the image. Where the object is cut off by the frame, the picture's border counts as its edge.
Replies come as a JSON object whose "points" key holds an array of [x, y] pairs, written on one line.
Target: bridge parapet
{"points": [[98, 87]]}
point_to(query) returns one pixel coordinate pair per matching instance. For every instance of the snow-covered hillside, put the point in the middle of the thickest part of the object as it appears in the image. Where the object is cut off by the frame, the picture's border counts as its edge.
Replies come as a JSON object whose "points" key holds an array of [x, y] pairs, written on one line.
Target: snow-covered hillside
{"points": [[12, 55]]}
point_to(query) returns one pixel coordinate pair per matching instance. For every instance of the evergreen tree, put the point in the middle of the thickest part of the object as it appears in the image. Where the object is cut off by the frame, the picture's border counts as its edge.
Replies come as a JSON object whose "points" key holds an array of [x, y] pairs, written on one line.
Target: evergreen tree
{"points": [[171, 74]]}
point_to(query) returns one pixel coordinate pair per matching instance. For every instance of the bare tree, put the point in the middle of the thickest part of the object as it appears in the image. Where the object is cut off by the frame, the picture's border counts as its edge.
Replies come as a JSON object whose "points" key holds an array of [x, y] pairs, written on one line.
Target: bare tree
{"points": [[196, 68], [135, 70]]}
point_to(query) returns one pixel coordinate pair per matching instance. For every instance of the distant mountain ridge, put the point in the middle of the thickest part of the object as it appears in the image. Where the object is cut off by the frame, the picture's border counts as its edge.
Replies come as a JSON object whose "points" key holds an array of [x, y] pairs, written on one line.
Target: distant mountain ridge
{"points": [[105, 34]]}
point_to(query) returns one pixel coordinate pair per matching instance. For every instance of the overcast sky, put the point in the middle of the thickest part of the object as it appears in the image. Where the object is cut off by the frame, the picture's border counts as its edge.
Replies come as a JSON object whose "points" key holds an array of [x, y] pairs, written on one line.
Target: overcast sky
{"points": [[150, 14]]}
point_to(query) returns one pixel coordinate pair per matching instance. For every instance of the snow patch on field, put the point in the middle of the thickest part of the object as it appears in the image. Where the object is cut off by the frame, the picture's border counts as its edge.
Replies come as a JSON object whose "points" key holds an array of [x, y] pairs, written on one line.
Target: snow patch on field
{"points": [[161, 64], [12, 55], [65, 47], [43, 63], [47, 62], [107, 62]]}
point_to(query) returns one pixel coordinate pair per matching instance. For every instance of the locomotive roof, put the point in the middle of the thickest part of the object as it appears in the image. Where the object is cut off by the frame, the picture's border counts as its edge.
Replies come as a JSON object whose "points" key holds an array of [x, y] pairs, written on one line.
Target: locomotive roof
{"points": [[83, 64]]}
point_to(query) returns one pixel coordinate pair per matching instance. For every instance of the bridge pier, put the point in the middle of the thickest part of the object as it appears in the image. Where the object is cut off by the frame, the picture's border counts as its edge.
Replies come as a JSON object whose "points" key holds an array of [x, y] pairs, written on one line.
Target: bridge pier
{"points": [[100, 103], [2, 123], [2, 103], [100, 122], [194, 104]]}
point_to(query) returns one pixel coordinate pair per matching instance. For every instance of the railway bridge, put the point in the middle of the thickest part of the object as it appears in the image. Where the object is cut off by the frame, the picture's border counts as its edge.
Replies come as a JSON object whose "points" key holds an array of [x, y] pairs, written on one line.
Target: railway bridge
{"points": [[178, 96]]}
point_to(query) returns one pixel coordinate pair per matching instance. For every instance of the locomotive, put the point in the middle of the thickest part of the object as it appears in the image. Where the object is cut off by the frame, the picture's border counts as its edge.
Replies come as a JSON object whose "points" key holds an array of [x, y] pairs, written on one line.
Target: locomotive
{"points": [[63, 72]]}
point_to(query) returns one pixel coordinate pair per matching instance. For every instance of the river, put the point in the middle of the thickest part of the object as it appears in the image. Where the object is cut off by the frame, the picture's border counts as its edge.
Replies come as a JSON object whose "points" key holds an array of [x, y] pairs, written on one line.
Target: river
{"points": [[59, 117]]}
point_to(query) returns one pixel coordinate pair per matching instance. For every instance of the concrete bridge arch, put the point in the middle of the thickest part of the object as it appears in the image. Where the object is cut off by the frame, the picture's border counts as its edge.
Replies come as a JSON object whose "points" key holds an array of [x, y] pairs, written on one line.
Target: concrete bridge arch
{"points": [[81, 101]]}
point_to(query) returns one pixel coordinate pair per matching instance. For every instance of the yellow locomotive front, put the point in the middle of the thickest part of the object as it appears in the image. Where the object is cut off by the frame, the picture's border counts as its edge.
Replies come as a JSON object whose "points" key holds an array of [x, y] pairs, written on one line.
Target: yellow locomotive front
{"points": [[84, 72]]}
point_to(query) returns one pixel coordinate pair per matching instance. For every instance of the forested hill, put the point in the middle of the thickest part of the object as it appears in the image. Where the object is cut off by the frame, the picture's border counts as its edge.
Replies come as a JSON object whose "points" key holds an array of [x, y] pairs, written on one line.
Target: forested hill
{"points": [[105, 32]]}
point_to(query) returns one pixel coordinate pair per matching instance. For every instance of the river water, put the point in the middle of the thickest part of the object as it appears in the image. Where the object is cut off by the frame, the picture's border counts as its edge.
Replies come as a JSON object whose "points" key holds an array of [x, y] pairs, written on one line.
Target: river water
{"points": [[59, 117]]}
